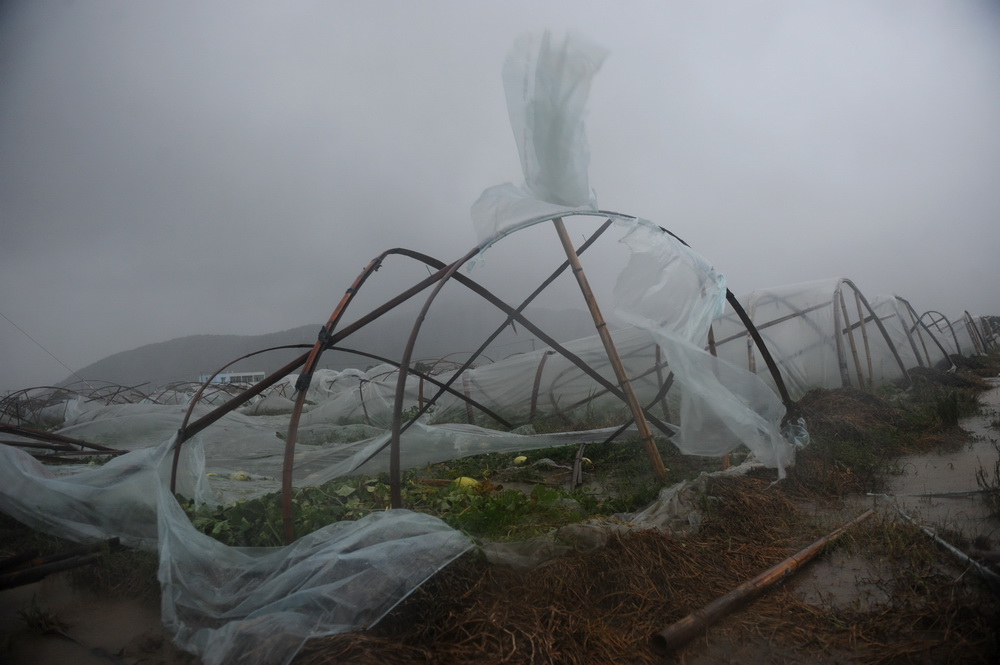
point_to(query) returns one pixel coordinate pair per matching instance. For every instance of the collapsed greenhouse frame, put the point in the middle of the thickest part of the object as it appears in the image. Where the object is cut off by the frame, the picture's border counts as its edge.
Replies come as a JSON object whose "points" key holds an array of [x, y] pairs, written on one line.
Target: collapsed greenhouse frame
{"points": [[220, 601], [187, 609], [330, 337], [858, 342]]}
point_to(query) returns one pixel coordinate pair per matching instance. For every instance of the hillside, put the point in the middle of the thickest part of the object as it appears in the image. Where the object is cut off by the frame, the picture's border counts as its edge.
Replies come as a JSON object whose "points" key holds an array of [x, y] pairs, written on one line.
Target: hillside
{"points": [[454, 331]]}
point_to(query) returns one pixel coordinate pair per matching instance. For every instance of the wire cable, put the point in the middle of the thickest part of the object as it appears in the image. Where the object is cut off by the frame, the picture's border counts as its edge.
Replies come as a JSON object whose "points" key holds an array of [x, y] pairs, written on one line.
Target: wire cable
{"points": [[38, 344]]}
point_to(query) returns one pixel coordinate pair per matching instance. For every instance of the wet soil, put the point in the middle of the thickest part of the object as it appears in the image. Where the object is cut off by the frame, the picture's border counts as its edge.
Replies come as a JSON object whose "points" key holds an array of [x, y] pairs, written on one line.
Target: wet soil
{"points": [[82, 628], [938, 490]]}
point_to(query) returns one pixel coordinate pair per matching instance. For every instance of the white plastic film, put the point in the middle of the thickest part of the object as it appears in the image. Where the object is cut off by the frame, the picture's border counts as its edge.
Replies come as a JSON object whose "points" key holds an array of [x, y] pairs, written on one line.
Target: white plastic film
{"points": [[547, 84], [673, 294]]}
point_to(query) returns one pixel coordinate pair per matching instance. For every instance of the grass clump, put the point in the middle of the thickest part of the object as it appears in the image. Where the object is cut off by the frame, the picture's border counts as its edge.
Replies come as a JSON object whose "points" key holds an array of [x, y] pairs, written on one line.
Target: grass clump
{"points": [[856, 436], [988, 480], [41, 620]]}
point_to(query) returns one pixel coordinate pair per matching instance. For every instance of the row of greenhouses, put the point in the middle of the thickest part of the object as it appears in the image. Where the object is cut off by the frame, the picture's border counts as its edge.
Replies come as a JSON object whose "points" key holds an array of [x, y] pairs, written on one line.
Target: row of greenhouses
{"points": [[828, 334], [823, 334]]}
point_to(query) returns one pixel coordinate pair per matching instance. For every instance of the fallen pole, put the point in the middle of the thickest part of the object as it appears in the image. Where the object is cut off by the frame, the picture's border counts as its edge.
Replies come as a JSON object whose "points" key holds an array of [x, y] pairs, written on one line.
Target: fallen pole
{"points": [[991, 578], [29, 567], [680, 632]]}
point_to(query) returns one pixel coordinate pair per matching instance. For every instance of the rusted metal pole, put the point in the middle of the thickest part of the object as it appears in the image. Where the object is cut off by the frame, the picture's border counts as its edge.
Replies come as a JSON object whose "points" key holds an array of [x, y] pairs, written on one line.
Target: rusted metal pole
{"points": [[609, 347], [57, 441], [677, 634], [302, 389]]}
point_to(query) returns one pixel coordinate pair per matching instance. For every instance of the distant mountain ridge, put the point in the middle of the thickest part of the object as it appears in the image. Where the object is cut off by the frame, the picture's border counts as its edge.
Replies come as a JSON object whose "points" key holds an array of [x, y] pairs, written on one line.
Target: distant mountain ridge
{"points": [[452, 331]]}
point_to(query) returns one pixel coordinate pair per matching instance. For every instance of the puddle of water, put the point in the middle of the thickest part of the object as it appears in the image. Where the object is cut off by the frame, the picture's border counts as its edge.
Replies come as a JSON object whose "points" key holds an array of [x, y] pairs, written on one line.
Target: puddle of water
{"points": [[939, 489], [844, 580]]}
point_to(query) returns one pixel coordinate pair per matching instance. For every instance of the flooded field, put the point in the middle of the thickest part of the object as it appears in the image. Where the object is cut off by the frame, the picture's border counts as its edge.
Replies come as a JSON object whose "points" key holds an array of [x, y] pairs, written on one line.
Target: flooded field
{"points": [[937, 490], [940, 489]]}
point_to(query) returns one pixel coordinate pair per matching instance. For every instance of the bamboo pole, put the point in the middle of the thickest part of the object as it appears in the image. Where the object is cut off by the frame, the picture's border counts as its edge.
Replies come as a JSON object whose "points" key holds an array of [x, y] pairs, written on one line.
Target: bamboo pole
{"points": [[609, 346], [864, 338], [838, 338], [850, 338], [676, 634]]}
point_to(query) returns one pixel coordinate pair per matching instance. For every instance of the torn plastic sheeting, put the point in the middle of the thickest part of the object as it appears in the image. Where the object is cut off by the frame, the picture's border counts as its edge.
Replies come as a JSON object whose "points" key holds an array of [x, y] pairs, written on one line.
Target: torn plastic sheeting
{"points": [[505, 209], [678, 508], [260, 605], [666, 285], [672, 293], [223, 603], [429, 444], [546, 86], [823, 334], [95, 503], [666, 289]]}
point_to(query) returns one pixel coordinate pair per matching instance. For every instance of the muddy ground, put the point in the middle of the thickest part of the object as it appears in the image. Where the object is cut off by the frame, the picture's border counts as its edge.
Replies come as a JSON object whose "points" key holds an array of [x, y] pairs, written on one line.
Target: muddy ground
{"points": [[58, 621], [937, 490]]}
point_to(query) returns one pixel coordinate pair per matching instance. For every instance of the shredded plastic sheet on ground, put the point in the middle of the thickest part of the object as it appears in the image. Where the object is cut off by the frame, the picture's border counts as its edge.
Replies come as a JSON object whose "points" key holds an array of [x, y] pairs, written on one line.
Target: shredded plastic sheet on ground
{"points": [[232, 604]]}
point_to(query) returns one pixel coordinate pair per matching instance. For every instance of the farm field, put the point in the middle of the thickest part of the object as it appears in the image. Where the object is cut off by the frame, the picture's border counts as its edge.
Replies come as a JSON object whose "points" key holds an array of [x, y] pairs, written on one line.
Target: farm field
{"points": [[884, 593]]}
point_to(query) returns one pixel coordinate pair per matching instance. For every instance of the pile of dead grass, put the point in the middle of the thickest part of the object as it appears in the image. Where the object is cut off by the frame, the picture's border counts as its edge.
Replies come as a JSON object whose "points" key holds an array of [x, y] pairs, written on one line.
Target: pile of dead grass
{"points": [[970, 380], [604, 606], [848, 413], [933, 612], [854, 438], [600, 607], [987, 365]]}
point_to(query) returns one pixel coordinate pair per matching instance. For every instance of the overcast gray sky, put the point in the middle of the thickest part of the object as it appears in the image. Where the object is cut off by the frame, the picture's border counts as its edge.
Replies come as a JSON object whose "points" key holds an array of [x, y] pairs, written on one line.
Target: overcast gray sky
{"points": [[185, 167]]}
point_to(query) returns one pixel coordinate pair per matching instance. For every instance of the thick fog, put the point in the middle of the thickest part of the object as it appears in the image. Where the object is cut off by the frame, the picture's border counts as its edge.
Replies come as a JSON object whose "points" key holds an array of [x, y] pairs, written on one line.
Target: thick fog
{"points": [[183, 167]]}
